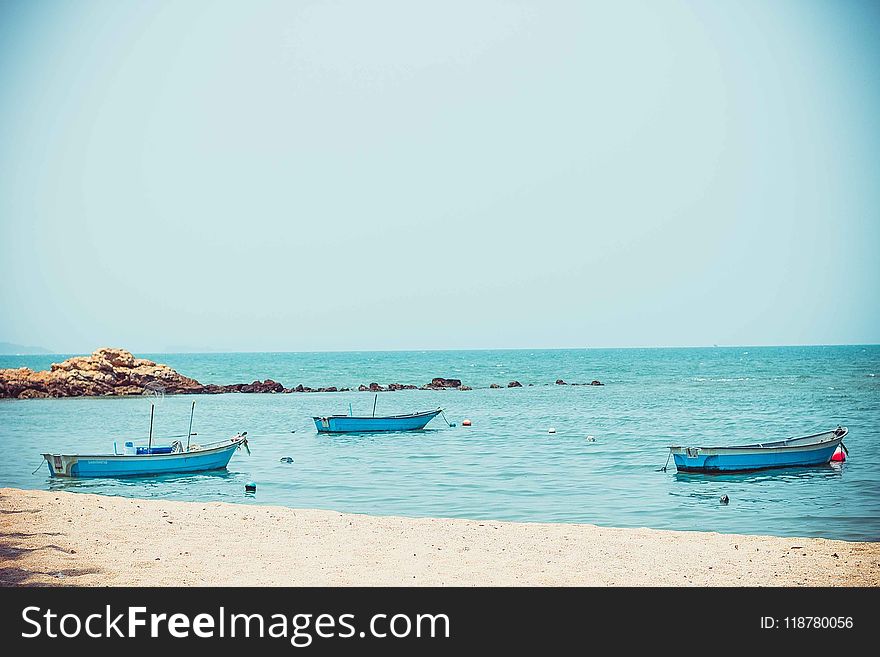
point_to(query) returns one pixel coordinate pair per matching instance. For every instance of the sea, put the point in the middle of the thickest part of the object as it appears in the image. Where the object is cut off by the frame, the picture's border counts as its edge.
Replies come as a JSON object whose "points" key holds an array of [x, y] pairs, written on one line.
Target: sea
{"points": [[603, 465]]}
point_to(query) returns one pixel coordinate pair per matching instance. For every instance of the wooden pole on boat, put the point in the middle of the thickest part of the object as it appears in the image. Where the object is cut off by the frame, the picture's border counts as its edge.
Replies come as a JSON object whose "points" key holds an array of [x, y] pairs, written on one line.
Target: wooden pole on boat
{"points": [[375, 399], [190, 432], [150, 443]]}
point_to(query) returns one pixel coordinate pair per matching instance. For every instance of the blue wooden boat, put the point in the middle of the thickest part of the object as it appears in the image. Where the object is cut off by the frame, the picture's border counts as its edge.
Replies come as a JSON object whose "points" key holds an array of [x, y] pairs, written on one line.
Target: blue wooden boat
{"points": [[138, 461], [813, 450], [354, 424]]}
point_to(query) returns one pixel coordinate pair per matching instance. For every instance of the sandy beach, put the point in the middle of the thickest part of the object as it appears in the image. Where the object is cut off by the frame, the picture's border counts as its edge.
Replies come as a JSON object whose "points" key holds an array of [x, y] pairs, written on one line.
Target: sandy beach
{"points": [[77, 539]]}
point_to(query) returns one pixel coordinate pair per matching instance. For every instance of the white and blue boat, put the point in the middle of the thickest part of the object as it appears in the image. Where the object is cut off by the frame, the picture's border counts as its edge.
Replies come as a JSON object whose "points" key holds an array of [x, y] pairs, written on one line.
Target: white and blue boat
{"points": [[370, 424], [145, 460], [136, 461], [813, 450]]}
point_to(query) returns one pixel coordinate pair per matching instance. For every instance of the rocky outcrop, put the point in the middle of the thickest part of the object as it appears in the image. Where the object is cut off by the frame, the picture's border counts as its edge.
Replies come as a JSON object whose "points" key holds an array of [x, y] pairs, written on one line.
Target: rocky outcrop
{"points": [[107, 372], [560, 382], [514, 384], [494, 385]]}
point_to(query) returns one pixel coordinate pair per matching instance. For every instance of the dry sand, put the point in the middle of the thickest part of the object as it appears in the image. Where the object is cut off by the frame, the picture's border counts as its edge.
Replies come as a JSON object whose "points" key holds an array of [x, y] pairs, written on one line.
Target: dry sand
{"points": [[93, 540]]}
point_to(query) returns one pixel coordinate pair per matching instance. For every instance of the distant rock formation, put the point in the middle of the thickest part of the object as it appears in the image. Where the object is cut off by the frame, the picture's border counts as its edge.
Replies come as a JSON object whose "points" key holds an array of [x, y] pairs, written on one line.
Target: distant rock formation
{"points": [[514, 384], [107, 372], [560, 382], [494, 385], [10, 348]]}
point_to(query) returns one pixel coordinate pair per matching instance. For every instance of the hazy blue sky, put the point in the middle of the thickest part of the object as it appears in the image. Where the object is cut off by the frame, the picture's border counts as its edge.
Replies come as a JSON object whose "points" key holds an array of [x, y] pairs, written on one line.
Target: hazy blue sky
{"points": [[392, 175]]}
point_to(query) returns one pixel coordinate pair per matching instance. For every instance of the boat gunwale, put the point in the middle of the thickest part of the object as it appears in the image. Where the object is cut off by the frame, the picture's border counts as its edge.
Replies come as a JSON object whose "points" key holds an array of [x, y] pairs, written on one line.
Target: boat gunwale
{"points": [[234, 442], [404, 416], [772, 447]]}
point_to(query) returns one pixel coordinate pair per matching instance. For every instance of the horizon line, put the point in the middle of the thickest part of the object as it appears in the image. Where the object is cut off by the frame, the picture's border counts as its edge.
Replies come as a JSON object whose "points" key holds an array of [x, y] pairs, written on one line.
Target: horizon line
{"points": [[466, 349]]}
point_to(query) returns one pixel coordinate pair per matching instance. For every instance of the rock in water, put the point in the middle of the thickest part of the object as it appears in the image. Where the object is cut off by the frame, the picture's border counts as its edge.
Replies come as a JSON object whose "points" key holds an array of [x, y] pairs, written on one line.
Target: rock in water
{"points": [[514, 384], [107, 372], [439, 383]]}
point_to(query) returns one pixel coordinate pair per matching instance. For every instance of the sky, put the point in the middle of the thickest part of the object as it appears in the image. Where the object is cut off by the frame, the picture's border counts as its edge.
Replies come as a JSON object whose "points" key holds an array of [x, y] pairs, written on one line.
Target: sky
{"points": [[300, 176]]}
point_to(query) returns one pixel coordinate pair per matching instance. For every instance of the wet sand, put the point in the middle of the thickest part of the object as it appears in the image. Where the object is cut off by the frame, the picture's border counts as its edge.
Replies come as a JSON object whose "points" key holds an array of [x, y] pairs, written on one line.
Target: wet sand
{"points": [[78, 539]]}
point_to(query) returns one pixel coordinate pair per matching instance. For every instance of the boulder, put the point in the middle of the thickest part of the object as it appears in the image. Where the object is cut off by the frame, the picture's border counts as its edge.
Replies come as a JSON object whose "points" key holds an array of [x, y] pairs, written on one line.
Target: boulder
{"points": [[439, 383], [514, 384], [560, 382], [117, 357], [596, 383], [494, 385], [267, 386]]}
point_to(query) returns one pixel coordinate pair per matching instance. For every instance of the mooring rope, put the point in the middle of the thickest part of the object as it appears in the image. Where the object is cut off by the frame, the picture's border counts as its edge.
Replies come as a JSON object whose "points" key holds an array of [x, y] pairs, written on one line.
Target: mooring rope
{"points": [[451, 424], [668, 456]]}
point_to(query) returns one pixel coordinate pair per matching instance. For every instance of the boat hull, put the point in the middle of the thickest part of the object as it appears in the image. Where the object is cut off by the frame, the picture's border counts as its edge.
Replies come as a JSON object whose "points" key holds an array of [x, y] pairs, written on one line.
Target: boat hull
{"points": [[783, 454], [349, 424], [112, 465]]}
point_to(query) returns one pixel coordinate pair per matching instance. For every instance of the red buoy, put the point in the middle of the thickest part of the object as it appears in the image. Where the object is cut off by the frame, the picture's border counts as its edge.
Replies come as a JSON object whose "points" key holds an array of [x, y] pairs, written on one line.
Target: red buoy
{"points": [[839, 455], [465, 423]]}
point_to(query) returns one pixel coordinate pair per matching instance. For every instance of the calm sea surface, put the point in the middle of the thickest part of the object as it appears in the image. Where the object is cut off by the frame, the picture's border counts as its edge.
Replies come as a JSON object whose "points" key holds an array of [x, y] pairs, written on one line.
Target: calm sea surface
{"points": [[506, 466]]}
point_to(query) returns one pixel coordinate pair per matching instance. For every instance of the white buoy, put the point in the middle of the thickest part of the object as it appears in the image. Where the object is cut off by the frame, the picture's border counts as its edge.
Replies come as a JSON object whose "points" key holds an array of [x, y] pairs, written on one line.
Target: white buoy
{"points": [[591, 439], [551, 430]]}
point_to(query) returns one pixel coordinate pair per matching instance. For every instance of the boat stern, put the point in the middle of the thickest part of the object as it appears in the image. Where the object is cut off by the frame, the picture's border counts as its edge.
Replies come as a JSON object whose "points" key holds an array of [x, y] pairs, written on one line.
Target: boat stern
{"points": [[690, 458], [60, 465]]}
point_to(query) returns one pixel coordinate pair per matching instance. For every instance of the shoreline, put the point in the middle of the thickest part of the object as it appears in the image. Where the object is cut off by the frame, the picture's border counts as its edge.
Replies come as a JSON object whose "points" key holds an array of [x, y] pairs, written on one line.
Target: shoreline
{"points": [[81, 539]]}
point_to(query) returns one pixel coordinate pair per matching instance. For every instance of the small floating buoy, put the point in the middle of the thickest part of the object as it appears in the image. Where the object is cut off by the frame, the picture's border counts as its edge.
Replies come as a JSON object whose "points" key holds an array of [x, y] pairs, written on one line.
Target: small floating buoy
{"points": [[591, 439], [250, 487], [551, 430], [838, 456], [724, 499], [465, 423], [286, 459]]}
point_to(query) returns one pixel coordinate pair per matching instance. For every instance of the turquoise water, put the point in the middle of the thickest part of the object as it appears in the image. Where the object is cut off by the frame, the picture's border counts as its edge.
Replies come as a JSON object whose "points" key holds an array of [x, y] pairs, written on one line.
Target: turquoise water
{"points": [[506, 466]]}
